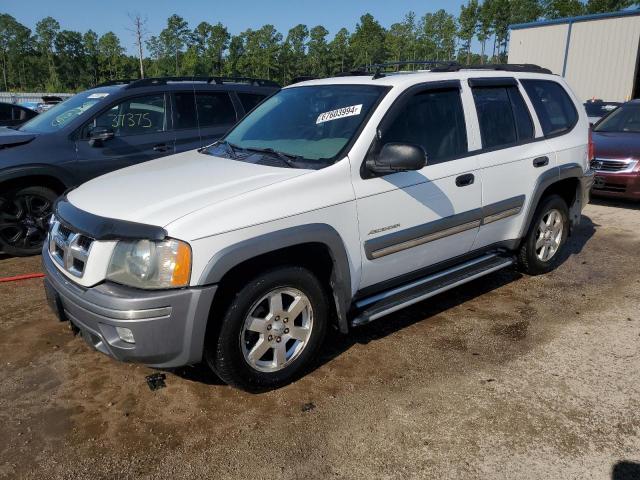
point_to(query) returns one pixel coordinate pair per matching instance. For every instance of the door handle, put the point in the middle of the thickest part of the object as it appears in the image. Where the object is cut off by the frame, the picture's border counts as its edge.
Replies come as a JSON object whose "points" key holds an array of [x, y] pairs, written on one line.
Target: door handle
{"points": [[465, 180], [541, 162], [161, 147]]}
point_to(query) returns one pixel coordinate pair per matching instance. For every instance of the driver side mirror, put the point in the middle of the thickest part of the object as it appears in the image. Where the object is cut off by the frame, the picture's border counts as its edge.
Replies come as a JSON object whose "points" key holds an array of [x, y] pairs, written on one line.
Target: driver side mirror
{"points": [[397, 157], [99, 135]]}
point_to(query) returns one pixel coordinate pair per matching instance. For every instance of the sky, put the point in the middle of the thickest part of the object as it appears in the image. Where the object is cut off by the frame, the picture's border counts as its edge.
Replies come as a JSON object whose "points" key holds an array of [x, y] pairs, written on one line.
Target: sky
{"points": [[237, 15]]}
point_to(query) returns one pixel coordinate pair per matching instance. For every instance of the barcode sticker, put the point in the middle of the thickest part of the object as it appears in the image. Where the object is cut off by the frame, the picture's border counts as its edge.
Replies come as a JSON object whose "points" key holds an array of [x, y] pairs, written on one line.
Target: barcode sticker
{"points": [[343, 112]]}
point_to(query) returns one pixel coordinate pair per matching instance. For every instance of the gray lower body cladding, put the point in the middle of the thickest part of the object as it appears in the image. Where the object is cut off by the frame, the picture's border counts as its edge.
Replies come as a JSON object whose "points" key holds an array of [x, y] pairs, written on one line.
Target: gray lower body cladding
{"points": [[168, 326]]}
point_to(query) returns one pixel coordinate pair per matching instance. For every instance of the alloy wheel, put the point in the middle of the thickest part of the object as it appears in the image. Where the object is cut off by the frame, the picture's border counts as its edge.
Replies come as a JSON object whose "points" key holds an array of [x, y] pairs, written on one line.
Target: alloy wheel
{"points": [[549, 235], [24, 220]]}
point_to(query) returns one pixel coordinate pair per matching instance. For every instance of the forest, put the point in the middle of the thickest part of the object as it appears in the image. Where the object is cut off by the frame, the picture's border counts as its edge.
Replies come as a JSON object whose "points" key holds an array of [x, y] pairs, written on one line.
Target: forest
{"points": [[53, 59]]}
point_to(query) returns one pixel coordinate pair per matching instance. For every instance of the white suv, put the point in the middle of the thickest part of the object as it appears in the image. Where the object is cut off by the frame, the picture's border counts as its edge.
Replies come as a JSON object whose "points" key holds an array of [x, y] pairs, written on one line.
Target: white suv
{"points": [[333, 203]]}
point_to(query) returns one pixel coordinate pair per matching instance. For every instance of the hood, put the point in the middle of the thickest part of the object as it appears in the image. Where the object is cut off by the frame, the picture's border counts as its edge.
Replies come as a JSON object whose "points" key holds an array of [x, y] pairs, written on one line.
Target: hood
{"points": [[617, 145], [11, 138], [161, 191]]}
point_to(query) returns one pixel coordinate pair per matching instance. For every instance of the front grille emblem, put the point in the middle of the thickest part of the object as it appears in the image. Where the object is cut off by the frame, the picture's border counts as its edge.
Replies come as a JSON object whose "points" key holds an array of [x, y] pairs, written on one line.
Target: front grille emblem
{"points": [[69, 249]]}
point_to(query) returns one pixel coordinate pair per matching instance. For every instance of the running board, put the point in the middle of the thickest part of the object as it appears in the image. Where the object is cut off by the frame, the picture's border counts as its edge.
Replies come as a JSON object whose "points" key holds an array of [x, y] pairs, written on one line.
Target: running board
{"points": [[384, 303]]}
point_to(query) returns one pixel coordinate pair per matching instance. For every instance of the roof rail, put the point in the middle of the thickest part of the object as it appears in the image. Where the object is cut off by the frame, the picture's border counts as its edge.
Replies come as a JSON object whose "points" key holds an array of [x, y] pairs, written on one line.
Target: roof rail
{"points": [[432, 64], [503, 67], [146, 82], [109, 83]]}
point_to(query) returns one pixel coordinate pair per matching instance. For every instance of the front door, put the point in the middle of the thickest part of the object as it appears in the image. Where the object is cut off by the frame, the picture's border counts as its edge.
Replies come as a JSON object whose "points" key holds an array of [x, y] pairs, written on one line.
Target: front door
{"points": [[410, 220], [140, 133]]}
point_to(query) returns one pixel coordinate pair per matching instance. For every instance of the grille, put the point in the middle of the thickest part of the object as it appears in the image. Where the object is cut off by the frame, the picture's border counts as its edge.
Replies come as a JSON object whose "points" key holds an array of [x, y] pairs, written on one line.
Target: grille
{"points": [[69, 249], [607, 165]]}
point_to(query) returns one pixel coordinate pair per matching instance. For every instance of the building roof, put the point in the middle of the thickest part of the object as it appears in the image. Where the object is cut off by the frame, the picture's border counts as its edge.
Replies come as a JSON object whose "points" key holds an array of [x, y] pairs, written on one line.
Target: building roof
{"points": [[581, 18]]}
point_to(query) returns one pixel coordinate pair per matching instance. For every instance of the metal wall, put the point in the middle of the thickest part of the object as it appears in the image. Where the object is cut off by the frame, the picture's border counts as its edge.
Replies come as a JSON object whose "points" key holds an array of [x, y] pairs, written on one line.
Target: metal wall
{"points": [[10, 97], [601, 58]]}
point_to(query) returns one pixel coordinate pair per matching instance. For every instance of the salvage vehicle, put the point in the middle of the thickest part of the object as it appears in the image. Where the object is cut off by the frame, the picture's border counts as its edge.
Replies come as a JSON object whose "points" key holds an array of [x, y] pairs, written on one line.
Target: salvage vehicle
{"points": [[12, 115], [115, 125], [616, 141], [332, 204]]}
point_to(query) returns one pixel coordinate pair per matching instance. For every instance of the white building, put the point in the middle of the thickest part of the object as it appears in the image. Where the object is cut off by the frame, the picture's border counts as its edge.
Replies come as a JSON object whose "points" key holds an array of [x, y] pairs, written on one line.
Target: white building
{"points": [[597, 54]]}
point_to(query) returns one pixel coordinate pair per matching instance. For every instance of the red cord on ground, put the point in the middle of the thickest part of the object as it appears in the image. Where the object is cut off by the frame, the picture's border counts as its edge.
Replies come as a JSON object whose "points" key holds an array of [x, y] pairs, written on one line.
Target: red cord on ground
{"points": [[21, 277]]}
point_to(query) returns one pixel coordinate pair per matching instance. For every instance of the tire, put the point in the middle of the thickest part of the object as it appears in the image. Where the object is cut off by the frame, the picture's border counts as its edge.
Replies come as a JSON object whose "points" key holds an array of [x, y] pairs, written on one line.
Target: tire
{"points": [[248, 354], [533, 259], [24, 219]]}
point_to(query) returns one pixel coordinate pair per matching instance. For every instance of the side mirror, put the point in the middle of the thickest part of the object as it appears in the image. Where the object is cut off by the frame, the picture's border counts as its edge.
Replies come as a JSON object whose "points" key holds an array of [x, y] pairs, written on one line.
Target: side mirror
{"points": [[99, 135], [398, 157]]}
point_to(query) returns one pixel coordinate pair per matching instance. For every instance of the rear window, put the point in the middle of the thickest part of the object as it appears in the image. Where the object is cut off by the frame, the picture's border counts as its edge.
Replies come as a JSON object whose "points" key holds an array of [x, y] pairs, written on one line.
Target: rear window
{"points": [[554, 107], [503, 116], [250, 100]]}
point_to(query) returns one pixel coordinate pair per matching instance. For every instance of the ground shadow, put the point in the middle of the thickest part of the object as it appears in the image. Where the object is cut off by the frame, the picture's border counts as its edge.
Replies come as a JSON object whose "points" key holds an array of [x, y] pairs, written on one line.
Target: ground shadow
{"points": [[625, 470], [615, 202]]}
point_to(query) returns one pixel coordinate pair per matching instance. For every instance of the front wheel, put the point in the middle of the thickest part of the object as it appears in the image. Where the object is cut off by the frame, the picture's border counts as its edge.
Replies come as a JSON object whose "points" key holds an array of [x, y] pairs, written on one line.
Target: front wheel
{"points": [[271, 330], [547, 235], [24, 219]]}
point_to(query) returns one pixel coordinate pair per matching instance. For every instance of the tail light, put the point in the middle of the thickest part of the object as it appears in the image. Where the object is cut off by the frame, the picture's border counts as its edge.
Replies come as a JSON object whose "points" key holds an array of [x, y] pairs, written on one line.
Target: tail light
{"points": [[592, 148]]}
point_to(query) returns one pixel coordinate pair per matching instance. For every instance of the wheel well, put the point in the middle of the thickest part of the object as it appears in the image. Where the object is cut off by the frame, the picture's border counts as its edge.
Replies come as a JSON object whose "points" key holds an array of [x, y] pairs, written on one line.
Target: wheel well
{"points": [[567, 189], [34, 181], [314, 256]]}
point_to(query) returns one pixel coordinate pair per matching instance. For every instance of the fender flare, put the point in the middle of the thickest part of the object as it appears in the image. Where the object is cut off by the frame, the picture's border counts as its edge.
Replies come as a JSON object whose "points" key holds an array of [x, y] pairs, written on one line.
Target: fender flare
{"points": [[554, 175], [16, 172], [226, 259]]}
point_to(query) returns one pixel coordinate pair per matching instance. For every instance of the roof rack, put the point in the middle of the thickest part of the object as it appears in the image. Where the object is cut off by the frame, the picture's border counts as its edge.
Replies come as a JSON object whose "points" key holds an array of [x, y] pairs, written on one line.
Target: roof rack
{"points": [[146, 82], [380, 68], [503, 67]]}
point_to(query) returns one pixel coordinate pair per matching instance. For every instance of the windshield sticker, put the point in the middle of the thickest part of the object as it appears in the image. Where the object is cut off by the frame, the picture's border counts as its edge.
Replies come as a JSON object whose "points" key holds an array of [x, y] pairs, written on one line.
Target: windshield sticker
{"points": [[98, 95], [339, 113]]}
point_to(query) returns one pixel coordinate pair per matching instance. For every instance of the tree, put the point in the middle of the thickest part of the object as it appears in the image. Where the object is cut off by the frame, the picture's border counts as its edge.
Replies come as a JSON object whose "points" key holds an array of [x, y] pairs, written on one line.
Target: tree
{"points": [[438, 35], [110, 51], [46, 31], [139, 32], [339, 51], [485, 25], [524, 11], [562, 8], [70, 54], [92, 55], [468, 22], [367, 41], [601, 6], [174, 38], [318, 51]]}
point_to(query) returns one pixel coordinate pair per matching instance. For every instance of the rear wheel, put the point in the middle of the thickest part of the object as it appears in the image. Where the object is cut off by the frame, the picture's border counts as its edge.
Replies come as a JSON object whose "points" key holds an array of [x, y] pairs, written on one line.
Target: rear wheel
{"points": [[547, 235], [271, 330], [24, 219]]}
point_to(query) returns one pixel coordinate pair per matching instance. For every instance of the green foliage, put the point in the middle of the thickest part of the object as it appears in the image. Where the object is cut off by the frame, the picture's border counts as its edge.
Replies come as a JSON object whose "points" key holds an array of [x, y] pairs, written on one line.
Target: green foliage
{"points": [[54, 59]]}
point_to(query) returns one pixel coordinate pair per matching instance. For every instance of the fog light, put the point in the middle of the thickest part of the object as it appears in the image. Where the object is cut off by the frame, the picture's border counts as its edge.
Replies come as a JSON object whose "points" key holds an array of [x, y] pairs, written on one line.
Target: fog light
{"points": [[125, 335]]}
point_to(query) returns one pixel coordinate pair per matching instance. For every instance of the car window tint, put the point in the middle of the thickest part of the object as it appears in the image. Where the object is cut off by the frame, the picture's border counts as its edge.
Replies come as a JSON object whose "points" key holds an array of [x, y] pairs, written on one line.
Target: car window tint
{"points": [[250, 100], [495, 116], [5, 111], [135, 116], [552, 104], [524, 124], [215, 109], [434, 120], [185, 115]]}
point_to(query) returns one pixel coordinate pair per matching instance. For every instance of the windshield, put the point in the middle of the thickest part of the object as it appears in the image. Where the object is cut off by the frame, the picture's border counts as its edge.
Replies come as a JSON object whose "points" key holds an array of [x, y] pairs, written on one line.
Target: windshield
{"points": [[312, 123], [599, 109], [625, 119], [57, 117]]}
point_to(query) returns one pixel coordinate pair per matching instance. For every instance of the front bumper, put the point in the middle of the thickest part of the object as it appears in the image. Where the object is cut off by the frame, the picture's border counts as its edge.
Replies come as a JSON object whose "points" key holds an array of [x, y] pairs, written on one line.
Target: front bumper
{"points": [[617, 185], [168, 326]]}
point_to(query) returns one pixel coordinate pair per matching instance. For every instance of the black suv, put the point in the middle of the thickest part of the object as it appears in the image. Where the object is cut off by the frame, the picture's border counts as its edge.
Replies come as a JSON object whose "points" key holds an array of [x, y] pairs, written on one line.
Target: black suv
{"points": [[112, 126]]}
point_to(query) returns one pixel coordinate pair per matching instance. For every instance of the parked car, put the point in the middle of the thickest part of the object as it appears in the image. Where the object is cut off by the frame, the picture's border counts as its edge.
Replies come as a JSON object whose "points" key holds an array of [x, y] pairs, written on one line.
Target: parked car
{"points": [[107, 128], [12, 115], [333, 204], [617, 153], [596, 109], [48, 102]]}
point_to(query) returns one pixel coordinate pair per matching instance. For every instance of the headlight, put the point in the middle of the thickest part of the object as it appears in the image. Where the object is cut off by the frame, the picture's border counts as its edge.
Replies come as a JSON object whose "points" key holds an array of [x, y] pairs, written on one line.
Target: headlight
{"points": [[148, 264]]}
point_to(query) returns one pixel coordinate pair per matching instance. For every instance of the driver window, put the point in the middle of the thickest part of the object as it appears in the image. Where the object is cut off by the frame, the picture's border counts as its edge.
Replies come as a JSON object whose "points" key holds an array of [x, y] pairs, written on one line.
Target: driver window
{"points": [[433, 119], [134, 116]]}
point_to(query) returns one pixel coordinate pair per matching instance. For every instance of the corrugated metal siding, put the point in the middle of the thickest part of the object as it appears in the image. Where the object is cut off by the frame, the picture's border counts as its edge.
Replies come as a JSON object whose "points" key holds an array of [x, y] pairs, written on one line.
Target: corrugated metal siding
{"points": [[10, 97], [603, 57], [542, 46]]}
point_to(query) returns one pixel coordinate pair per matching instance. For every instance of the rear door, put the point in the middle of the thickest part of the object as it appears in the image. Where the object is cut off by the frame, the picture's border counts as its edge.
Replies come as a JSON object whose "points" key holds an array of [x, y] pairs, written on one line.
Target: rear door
{"points": [[410, 220], [216, 115], [140, 128], [185, 121], [513, 155]]}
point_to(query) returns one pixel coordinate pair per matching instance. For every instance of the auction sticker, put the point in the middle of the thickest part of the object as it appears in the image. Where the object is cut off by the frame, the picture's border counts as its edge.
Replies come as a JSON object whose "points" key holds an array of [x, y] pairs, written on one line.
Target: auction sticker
{"points": [[343, 112], [98, 95]]}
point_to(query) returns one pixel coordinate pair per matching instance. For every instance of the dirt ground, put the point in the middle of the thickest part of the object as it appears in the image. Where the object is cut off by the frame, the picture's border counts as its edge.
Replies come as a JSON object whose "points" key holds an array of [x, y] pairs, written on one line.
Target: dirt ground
{"points": [[509, 377]]}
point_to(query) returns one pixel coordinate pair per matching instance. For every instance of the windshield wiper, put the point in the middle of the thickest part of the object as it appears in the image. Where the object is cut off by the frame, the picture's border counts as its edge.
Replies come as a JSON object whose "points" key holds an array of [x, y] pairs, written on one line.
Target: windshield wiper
{"points": [[288, 158]]}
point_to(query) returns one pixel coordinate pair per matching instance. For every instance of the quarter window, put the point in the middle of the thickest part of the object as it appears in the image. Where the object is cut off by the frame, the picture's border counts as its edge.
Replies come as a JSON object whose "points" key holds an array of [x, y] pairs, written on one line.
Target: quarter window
{"points": [[215, 109], [503, 116], [553, 106], [134, 116], [433, 119]]}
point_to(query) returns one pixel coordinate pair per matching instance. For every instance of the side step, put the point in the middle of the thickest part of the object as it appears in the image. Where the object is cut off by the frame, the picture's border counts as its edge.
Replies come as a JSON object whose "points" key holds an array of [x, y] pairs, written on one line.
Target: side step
{"points": [[384, 303]]}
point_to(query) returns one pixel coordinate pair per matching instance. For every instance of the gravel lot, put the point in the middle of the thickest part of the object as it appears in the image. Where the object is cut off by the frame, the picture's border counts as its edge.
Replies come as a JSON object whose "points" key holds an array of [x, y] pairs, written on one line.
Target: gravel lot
{"points": [[509, 377]]}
